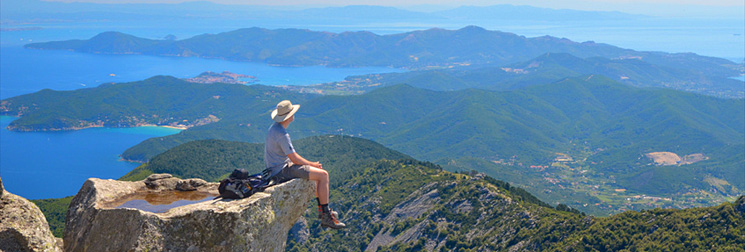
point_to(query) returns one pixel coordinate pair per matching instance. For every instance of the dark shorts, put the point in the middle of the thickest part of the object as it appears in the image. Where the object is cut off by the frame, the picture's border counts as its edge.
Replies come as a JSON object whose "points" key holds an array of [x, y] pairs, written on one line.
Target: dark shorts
{"points": [[291, 172]]}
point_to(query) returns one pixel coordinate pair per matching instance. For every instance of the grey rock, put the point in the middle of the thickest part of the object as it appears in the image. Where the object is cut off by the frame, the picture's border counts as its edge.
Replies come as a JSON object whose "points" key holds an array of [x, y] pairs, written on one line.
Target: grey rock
{"points": [[414, 206], [23, 226], [165, 183], [740, 205], [158, 176], [299, 232], [258, 223], [184, 185], [189, 184]]}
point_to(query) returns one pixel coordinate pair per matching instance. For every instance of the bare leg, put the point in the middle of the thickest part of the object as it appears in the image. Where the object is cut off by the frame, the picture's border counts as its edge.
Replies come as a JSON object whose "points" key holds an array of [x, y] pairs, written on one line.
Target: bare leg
{"points": [[321, 177]]}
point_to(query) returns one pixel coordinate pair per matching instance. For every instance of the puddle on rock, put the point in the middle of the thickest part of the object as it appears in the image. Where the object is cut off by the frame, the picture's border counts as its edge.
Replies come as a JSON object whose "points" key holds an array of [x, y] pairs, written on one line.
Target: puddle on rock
{"points": [[161, 202]]}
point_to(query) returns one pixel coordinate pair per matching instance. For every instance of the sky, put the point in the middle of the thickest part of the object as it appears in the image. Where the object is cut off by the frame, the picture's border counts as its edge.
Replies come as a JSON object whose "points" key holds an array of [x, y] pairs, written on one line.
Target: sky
{"points": [[438, 2], [679, 8]]}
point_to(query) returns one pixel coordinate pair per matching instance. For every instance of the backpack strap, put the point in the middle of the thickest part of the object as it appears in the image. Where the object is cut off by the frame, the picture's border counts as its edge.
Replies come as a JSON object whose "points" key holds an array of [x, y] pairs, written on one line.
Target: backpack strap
{"points": [[266, 174]]}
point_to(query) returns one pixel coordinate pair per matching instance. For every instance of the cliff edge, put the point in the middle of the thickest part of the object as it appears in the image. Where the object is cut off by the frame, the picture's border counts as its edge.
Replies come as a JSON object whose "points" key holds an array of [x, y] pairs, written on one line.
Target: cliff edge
{"points": [[258, 223]]}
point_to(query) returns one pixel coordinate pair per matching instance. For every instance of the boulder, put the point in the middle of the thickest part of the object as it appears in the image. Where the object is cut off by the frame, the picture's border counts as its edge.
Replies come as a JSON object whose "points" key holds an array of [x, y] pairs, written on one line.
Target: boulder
{"points": [[190, 184], [23, 226], [258, 223], [161, 182]]}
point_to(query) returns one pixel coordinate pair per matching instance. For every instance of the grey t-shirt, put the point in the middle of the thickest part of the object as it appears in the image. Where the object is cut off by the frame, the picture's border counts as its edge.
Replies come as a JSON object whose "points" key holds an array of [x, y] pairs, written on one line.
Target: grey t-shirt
{"points": [[276, 148]]}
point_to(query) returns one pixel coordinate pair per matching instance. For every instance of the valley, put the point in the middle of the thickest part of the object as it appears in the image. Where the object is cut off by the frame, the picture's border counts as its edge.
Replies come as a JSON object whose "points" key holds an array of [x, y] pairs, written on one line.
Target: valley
{"points": [[576, 182]]}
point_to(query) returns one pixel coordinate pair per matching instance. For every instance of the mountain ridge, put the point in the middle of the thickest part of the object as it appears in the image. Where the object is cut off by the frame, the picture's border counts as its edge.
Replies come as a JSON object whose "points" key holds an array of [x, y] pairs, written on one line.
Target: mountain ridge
{"points": [[416, 49]]}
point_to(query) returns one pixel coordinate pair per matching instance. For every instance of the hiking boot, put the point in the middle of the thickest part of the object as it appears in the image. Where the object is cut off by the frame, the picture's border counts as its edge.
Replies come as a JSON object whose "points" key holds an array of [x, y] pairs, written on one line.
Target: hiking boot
{"points": [[333, 213], [328, 220], [320, 213]]}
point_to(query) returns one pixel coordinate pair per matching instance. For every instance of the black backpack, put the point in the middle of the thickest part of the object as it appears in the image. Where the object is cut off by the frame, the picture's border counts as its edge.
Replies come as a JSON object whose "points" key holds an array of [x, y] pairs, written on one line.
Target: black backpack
{"points": [[241, 185]]}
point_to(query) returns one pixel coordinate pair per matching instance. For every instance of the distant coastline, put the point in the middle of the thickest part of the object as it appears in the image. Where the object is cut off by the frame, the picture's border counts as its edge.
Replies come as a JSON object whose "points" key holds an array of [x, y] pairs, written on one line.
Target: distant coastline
{"points": [[13, 118], [178, 127], [21, 29]]}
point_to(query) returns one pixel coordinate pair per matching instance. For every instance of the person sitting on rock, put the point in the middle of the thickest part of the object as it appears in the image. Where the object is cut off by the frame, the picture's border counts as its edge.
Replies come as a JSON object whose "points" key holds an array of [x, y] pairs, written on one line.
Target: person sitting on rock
{"points": [[283, 163]]}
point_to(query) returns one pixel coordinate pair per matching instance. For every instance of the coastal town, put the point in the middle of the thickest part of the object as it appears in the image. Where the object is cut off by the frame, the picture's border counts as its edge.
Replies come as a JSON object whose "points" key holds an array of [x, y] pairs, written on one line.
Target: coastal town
{"points": [[224, 77]]}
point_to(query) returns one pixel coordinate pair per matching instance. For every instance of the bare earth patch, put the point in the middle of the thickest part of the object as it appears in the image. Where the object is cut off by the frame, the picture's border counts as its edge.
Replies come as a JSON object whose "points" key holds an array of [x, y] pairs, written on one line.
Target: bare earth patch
{"points": [[669, 158], [664, 158]]}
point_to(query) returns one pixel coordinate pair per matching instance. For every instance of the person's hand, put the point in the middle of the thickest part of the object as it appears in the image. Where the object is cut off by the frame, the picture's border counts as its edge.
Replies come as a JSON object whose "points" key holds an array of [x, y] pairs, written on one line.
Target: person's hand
{"points": [[317, 165]]}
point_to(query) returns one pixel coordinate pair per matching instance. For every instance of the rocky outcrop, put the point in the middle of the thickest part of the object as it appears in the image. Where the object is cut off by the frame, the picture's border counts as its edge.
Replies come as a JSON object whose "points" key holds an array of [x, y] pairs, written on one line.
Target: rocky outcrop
{"points": [[740, 205], [258, 223], [23, 226]]}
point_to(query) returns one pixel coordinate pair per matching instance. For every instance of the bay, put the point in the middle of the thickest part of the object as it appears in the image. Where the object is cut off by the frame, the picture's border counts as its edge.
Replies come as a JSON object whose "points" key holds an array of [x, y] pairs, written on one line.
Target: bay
{"points": [[37, 165]]}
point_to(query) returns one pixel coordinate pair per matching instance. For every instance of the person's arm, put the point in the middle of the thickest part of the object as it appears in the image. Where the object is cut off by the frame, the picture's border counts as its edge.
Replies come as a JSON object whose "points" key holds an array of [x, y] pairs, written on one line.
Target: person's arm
{"points": [[299, 160]]}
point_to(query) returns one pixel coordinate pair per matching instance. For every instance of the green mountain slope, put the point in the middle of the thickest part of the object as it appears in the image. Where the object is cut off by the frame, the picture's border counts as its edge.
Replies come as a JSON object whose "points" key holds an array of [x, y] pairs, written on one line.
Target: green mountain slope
{"points": [[407, 205], [547, 68], [160, 100], [411, 206], [404, 204], [213, 160], [606, 126], [591, 133]]}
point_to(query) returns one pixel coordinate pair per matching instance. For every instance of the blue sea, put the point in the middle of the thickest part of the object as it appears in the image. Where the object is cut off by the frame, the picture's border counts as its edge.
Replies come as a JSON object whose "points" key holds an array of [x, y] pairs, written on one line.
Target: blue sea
{"points": [[55, 164], [24, 71], [38, 165]]}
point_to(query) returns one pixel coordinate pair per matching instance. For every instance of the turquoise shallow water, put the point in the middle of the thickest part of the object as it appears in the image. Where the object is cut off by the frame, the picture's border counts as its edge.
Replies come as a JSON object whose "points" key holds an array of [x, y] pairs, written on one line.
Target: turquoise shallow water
{"points": [[40, 165]]}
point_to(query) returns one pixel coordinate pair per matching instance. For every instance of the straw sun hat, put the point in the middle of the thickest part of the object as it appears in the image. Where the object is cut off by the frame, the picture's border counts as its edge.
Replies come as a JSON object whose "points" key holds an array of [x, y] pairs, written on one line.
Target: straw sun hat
{"points": [[284, 110]]}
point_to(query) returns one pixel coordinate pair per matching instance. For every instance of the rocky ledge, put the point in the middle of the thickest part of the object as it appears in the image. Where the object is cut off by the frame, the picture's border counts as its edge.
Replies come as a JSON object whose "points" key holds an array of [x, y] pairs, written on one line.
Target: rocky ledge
{"points": [[23, 226], [258, 223]]}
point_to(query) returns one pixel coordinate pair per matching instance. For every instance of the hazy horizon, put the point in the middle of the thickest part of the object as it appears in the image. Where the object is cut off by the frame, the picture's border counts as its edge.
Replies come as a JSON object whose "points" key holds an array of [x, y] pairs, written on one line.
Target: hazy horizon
{"points": [[681, 8]]}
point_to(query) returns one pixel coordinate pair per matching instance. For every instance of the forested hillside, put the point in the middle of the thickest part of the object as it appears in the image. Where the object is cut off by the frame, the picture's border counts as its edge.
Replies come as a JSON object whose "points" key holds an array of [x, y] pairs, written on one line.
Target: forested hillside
{"points": [[394, 204], [547, 68], [215, 159], [160, 100], [413, 206], [589, 135]]}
